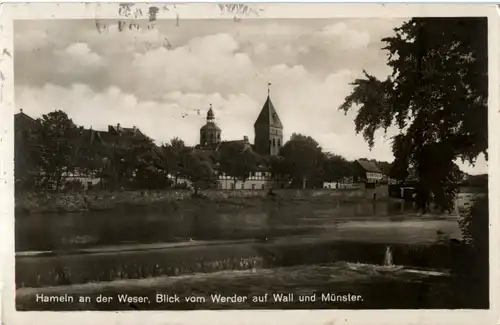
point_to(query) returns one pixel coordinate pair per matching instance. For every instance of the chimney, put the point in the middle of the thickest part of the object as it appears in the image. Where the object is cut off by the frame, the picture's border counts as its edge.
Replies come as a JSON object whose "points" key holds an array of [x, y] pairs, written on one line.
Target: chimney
{"points": [[245, 138], [134, 128], [21, 110]]}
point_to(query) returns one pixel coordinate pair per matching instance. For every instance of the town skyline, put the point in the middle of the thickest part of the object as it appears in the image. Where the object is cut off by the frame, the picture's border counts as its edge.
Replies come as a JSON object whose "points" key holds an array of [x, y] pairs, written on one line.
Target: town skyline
{"points": [[168, 76]]}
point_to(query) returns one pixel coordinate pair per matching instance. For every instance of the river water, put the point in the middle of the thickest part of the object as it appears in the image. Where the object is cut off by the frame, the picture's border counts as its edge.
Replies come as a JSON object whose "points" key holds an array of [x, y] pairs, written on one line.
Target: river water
{"points": [[246, 250], [361, 221]]}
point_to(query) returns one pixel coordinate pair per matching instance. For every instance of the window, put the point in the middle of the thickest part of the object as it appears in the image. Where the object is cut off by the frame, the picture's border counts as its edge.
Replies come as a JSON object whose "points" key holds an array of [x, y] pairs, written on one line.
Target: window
{"points": [[89, 185], [274, 142], [232, 186], [253, 186], [242, 186], [263, 186], [279, 143]]}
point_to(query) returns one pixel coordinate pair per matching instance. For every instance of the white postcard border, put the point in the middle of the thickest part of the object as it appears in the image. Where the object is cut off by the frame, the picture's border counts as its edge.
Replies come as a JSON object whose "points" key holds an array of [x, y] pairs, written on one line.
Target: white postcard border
{"points": [[10, 11]]}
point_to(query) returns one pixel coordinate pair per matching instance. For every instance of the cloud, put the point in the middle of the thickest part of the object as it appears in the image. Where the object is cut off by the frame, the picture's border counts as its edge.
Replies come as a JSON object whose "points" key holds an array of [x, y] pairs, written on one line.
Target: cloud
{"points": [[175, 115], [77, 57], [195, 67], [346, 37]]}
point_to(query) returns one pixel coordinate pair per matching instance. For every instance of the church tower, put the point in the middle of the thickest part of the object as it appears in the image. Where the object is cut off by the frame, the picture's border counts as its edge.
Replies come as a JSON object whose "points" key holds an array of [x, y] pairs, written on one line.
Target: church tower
{"points": [[268, 129], [210, 132]]}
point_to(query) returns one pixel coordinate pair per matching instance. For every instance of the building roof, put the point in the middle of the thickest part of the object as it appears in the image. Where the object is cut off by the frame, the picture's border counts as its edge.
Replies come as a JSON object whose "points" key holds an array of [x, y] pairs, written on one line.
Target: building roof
{"points": [[23, 121], [210, 126], [243, 142], [23, 115], [268, 115], [211, 146], [369, 166], [119, 130]]}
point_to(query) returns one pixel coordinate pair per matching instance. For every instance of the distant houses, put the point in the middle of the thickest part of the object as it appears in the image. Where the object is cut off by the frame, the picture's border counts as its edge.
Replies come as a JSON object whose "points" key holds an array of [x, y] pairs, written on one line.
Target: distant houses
{"points": [[367, 171]]}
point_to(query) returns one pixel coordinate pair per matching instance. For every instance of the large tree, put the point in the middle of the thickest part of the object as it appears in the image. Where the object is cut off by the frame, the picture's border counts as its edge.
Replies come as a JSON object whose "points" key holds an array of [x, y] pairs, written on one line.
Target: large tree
{"points": [[176, 154], [125, 157], [200, 171], [302, 159], [436, 97], [57, 135], [336, 167], [237, 161]]}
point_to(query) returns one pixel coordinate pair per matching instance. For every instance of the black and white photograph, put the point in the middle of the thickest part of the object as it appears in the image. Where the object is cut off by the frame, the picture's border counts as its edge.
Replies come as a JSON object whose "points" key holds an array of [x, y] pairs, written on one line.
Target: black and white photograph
{"points": [[251, 163]]}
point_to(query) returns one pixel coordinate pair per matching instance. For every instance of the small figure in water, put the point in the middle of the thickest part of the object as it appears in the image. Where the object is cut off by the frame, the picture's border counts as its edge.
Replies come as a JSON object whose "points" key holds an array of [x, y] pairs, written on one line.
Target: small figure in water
{"points": [[388, 256]]}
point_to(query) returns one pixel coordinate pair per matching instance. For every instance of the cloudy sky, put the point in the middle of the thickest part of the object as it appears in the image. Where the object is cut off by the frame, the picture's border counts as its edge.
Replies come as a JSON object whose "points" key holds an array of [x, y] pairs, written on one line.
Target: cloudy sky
{"points": [[157, 79]]}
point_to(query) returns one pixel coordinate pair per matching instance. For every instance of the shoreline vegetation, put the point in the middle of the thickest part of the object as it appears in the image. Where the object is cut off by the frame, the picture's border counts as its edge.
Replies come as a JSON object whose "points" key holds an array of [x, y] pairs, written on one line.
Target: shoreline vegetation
{"points": [[81, 202]]}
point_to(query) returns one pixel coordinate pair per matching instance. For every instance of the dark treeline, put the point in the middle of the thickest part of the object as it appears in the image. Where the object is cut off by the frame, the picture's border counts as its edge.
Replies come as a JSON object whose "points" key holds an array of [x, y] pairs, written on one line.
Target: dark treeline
{"points": [[52, 147]]}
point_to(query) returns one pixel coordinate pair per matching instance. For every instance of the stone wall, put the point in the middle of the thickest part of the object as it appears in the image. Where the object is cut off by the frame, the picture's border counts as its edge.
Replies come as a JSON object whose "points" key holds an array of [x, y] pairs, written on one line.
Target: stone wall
{"points": [[104, 200]]}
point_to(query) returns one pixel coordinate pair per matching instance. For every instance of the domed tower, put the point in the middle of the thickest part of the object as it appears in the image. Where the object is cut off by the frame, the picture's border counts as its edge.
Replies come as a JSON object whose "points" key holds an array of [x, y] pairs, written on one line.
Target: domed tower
{"points": [[210, 132], [268, 129]]}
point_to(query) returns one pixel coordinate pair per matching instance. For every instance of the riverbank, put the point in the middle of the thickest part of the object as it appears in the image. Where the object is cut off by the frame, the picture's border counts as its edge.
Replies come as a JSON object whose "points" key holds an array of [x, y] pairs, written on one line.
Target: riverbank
{"points": [[51, 202]]}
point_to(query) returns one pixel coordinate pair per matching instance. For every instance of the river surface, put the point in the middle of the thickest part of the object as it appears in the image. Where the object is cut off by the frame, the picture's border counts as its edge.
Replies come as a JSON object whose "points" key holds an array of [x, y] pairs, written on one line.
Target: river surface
{"points": [[361, 221]]}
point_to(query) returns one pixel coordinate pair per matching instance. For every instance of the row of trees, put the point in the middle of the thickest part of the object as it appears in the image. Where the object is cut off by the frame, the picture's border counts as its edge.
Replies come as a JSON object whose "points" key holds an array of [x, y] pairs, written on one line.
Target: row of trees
{"points": [[53, 146]]}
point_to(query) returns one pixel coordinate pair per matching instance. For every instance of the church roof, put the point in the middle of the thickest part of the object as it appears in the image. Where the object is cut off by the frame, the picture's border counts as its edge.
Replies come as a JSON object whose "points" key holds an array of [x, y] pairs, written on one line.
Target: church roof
{"points": [[210, 126], [268, 115], [210, 114]]}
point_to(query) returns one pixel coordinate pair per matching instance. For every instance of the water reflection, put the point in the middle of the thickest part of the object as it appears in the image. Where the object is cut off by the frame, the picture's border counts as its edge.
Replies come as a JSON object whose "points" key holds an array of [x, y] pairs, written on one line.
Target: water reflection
{"points": [[209, 221]]}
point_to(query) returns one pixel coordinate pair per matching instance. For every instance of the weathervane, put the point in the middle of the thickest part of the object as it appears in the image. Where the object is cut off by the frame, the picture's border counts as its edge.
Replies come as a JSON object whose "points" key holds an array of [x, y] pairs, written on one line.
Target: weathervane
{"points": [[268, 88]]}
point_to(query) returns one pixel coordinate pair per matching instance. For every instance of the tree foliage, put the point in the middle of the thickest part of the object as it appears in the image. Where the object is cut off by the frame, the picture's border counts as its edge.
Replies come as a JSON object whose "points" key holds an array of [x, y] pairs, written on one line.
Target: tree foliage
{"points": [[436, 97], [176, 154], [56, 134], [236, 161], [302, 158], [200, 171], [336, 167]]}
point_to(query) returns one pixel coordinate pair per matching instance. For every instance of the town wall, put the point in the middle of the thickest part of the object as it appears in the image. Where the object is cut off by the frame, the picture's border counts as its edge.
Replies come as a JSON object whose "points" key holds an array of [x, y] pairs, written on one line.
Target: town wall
{"points": [[104, 200]]}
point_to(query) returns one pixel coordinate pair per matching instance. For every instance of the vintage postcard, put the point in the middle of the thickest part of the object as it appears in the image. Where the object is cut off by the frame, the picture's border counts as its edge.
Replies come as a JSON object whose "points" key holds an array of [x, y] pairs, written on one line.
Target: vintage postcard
{"points": [[264, 160]]}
